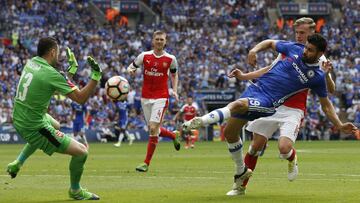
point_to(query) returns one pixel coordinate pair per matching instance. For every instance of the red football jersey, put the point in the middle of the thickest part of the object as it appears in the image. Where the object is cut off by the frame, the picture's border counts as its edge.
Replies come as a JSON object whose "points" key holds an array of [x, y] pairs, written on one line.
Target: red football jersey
{"points": [[156, 73], [298, 100], [189, 112]]}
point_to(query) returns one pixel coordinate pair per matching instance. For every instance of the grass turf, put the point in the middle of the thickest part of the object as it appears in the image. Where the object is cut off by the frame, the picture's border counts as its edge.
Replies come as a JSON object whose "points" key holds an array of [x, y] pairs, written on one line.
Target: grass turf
{"points": [[329, 172]]}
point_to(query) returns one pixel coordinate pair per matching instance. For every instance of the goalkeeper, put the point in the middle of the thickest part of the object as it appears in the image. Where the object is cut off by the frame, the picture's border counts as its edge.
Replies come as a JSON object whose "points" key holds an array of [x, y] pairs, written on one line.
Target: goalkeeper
{"points": [[40, 79]]}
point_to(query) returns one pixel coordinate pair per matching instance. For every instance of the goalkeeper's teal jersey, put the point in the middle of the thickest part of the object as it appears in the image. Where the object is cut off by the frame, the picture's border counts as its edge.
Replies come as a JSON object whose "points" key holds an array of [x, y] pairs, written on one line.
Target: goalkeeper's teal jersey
{"points": [[38, 82]]}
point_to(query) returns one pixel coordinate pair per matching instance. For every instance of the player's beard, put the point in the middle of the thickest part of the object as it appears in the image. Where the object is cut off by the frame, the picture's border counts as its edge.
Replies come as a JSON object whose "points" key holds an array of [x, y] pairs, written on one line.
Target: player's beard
{"points": [[309, 60], [55, 63]]}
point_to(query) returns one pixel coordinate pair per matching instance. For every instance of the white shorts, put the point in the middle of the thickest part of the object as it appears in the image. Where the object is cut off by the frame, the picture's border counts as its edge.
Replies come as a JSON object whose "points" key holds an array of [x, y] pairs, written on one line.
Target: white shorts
{"points": [[286, 119], [154, 109]]}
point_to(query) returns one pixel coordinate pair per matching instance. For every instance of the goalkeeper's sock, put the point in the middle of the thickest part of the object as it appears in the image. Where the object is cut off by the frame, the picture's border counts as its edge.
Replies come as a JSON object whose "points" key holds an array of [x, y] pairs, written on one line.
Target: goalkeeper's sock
{"points": [[166, 133], [76, 169], [26, 152], [153, 140]]}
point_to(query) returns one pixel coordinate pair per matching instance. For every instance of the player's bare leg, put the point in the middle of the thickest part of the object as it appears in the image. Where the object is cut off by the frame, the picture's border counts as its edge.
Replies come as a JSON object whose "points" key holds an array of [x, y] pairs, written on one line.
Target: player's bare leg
{"points": [[257, 145], [231, 132], [288, 152], [154, 129]]}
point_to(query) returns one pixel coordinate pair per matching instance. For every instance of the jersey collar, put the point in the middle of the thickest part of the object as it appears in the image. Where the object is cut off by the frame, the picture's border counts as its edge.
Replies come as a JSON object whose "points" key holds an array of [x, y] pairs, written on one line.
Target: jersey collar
{"points": [[41, 60]]}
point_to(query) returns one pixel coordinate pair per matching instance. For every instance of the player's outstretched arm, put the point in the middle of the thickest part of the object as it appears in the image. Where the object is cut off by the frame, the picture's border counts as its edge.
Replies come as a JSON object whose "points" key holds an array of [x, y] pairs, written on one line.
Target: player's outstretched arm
{"points": [[266, 44], [329, 110], [81, 96], [248, 76]]}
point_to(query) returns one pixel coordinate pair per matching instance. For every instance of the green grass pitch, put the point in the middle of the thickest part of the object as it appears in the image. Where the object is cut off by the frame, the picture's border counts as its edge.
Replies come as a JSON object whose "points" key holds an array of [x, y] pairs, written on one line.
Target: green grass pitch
{"points": [[329, 172]]}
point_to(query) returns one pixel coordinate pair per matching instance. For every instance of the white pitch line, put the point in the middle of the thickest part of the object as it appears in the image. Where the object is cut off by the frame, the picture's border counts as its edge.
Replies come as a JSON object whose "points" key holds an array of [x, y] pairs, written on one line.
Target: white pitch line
{"points": [[195, 177], [207, 172]]}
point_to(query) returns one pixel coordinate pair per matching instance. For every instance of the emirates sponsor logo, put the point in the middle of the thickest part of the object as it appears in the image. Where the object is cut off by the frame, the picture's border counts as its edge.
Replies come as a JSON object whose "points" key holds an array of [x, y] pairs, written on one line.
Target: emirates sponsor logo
{"points": [[153, 72]]}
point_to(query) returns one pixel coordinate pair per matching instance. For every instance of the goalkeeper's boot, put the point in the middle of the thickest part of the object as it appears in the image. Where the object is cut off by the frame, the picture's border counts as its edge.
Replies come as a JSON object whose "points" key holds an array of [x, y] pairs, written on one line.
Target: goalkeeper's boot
{"points": [[237, 188], [83, 194], [194, 123], [176, 140], [13, 168], [142, 167], [293, 169]]}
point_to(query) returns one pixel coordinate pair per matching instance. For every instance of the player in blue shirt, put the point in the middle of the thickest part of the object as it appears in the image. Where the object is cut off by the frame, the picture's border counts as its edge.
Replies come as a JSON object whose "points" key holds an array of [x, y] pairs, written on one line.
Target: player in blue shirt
{"points": [[299, 71], [79, 113], [120, 129]]}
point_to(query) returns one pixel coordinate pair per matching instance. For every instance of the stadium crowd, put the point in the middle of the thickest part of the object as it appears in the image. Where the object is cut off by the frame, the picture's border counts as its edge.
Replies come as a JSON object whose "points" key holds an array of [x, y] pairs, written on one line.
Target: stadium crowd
{"points": [[206, 50]]}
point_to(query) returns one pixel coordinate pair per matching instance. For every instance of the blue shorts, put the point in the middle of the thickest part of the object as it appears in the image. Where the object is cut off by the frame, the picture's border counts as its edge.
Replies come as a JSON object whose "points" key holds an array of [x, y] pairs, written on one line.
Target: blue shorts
{"points": [[260, 105], [78, 127], [122, 124]]}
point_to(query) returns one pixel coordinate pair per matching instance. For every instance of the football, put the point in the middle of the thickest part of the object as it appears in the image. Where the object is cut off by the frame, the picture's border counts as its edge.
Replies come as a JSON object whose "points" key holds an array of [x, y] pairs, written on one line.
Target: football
{"points": [[117, 88]]}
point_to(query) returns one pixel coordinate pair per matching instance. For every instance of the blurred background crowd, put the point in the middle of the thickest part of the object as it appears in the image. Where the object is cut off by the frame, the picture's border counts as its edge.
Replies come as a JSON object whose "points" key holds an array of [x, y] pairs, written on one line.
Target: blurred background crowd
{"points": [[209, 38]]}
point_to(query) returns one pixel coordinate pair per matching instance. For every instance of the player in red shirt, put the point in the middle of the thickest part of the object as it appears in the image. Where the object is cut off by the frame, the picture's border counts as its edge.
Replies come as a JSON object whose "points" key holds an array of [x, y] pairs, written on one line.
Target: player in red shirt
{"points": [[157, 65], [188, 112], [287, 118]]}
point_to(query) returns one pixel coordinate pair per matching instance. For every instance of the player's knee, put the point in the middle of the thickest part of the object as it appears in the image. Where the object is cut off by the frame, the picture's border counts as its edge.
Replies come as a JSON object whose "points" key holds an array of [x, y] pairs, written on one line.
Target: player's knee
{"points": [[83, 150], [153, 130], [285, 148], [238, 106]]}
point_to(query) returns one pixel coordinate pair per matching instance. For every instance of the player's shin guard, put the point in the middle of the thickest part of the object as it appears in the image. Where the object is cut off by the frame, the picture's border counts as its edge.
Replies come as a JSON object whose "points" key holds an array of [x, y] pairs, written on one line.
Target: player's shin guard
{"points": [[235, 150], [25, 153], [166, 133], [76, 169], [218, 115], [153, 140]]}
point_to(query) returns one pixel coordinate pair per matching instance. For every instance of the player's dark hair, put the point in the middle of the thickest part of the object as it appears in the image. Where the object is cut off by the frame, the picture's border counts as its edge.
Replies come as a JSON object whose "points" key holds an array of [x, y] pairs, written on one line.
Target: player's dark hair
{"points": [[46, 44], [318, 40]]}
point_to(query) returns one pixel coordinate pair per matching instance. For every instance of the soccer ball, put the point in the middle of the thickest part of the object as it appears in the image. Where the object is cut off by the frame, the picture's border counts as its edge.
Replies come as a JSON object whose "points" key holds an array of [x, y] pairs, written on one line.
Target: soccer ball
{"points": [[117, 88]]}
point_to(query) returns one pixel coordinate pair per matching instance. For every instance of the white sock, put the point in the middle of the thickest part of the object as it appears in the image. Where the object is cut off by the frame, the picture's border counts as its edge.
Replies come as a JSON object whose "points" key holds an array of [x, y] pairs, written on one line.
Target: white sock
{"points": [[286, 156], [235, 150], [218, 115], [121, 137]]}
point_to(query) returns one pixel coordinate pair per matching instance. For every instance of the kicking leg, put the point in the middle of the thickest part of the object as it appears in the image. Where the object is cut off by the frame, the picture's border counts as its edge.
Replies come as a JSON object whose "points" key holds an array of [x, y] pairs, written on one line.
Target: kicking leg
{"points": [[14, 167]]}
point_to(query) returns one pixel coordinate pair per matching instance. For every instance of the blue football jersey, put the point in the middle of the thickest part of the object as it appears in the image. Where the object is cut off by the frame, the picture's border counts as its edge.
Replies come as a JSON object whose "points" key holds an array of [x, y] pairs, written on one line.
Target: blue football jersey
{"points": [[80, 111], [291, 75], [122, 108]]}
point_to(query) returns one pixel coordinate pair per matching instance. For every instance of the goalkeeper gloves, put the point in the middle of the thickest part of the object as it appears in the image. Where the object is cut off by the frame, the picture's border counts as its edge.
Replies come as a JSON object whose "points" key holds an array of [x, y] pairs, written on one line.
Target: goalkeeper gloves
{"points": [[73, 65], [96, 71]]}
